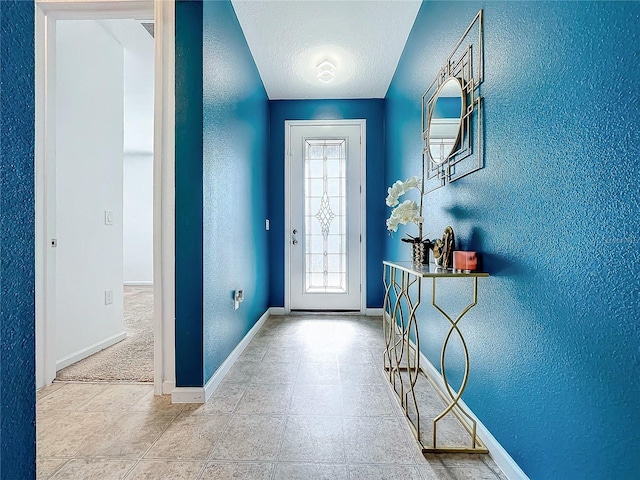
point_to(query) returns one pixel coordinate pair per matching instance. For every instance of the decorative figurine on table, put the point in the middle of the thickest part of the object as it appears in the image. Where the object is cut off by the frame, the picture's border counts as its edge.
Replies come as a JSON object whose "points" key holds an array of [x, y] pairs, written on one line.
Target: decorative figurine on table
{"points": [[445, 248], [437, 247]]}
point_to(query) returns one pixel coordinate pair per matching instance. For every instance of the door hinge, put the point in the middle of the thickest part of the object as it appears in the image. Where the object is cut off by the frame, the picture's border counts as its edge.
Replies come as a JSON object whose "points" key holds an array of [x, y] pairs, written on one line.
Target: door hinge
{"points": [[360, 238]]}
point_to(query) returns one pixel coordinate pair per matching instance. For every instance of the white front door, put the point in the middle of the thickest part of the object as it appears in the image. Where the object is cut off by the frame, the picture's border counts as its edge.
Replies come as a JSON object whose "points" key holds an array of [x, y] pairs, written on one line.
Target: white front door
{"points": [[324, 231]]}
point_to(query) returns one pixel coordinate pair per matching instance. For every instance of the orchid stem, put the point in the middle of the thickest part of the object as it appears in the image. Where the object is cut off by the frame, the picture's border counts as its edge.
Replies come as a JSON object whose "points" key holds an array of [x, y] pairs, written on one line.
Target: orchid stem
{"points": [[421, 198]]}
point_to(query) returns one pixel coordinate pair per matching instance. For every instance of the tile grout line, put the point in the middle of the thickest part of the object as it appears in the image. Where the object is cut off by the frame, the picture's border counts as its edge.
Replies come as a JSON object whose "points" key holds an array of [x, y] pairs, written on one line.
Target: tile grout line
{"points": [[60, 467], [287, 419], [152, 444]]}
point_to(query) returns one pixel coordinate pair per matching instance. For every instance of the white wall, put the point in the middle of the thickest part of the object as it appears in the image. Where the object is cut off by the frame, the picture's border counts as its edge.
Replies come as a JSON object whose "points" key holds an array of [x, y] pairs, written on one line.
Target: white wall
{"points": [[138, 148], [138, 87], [138, 219], [89, 180]]}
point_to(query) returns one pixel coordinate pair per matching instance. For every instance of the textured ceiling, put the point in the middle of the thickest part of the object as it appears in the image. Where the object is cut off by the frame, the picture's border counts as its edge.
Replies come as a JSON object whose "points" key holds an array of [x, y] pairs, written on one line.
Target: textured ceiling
{"points": [[363, 39]]}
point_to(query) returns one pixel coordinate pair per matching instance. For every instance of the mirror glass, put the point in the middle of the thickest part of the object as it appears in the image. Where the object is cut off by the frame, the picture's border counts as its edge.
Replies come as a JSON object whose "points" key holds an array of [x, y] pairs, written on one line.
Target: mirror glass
{"points": [[445, 119]]}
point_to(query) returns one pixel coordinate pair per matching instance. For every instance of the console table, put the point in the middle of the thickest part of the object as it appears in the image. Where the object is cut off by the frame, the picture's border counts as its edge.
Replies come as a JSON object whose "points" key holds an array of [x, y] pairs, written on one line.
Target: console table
{"points": [[403, 295]]}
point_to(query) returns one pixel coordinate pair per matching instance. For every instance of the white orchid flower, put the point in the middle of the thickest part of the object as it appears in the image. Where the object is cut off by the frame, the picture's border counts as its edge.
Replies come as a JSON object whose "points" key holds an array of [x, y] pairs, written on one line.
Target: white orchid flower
{"points": [[407, 212], [400, 188]]}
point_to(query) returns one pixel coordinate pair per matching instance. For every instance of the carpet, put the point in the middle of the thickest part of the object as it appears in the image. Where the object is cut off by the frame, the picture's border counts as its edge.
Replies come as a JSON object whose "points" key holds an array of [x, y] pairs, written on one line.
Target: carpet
{"points": [[128, 360]]}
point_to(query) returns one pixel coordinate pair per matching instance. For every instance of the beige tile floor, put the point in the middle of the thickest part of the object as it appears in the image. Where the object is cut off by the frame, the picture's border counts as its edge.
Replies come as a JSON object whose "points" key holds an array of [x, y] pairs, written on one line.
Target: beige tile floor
{"points": [[307, 399]]}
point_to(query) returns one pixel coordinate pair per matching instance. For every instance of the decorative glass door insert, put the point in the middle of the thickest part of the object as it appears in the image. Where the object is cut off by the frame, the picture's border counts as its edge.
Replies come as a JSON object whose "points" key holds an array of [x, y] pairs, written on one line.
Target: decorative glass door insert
{"points": [[325, 214]]}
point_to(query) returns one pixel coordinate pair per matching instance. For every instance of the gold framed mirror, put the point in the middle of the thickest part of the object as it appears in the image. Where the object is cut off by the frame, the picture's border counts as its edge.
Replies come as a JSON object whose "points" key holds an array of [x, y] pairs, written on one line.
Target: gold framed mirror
{"points": [[445, 120], [452, 114]]}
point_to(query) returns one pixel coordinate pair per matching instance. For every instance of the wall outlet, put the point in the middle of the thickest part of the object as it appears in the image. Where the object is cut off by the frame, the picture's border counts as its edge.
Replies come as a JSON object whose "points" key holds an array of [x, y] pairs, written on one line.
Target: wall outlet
{"points": [[238, 296], [108, 297], [108, 217]]}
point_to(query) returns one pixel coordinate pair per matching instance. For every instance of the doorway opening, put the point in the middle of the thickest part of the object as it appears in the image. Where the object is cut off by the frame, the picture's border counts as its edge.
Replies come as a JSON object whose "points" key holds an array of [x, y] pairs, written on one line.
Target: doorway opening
{"points": [[104, 163]]}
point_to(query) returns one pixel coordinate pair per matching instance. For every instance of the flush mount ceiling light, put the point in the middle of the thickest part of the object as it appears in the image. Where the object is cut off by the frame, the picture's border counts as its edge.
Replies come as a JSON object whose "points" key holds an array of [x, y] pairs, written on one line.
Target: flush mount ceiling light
{"points": [[326, 71]]}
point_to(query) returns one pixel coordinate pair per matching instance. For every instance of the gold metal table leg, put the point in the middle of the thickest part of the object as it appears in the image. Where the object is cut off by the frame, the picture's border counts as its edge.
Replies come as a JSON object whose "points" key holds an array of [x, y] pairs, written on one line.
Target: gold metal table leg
{"points": [[400, 328], [449, 395]]}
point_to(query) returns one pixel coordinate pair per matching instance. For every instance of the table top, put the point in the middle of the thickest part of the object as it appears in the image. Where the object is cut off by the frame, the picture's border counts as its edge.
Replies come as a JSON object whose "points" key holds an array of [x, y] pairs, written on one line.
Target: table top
{"points": [[432, 270]]}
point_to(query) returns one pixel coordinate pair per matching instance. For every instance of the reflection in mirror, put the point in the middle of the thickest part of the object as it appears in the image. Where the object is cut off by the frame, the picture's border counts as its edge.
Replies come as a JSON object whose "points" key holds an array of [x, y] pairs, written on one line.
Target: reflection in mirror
{"points": [[444, 120]]}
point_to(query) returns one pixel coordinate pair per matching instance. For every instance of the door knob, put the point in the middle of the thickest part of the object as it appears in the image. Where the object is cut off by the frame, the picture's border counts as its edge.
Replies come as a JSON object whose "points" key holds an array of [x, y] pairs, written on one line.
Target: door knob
{"points": [[295, 232], [295, 242]]}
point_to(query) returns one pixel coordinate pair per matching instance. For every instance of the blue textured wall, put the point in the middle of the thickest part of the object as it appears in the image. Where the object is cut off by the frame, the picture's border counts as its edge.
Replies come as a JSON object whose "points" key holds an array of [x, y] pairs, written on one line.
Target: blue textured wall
{"points": [[17, 264], [555, 341], [221, 151], [236, 126], [373, 112], [189, 196]]}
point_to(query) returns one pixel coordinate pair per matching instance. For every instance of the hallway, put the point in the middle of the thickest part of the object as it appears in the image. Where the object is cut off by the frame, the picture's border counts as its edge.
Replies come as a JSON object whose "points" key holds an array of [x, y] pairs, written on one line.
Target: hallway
{"points": [[306, 400]]}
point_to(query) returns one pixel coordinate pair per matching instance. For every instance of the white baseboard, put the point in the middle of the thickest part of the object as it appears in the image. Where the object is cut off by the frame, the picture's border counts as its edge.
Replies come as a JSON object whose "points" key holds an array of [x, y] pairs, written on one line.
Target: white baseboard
{"points": [[217, 377], [188, 395], [499, 455], [202, 394], [133, 283], [90, 350], [369, 312], [168, 387]]}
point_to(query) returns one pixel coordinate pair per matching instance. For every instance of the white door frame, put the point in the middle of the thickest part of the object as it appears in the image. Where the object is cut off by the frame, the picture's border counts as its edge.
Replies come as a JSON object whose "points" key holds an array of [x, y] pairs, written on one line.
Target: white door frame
{"points": [[288, 124], [163, 14]]}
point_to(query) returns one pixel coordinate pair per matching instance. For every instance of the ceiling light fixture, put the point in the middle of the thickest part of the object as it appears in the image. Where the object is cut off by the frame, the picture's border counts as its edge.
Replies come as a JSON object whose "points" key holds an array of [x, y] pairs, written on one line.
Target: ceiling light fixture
{"points": [[326, 71]]}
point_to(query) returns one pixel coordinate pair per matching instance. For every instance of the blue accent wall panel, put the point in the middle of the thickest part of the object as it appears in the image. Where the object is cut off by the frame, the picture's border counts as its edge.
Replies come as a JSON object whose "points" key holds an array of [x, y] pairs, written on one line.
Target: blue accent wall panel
{"points": [[189, 196], [373, 112], [555, 339], [234, 167], [17, 263]]}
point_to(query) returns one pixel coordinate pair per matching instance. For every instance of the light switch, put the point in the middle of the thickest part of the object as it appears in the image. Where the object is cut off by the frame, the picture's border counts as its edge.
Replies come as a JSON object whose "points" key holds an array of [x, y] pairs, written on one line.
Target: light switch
{"points": [[108, 297], [266, 224], [108, 217]]}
